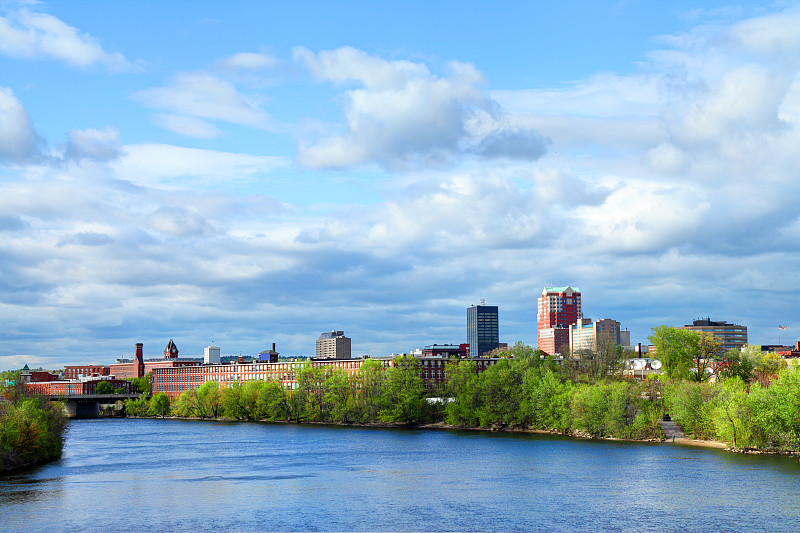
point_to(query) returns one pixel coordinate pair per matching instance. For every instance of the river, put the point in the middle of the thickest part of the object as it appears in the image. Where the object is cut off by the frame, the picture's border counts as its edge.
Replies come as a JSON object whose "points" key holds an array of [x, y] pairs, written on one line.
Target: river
{"points": [[173, 475]]}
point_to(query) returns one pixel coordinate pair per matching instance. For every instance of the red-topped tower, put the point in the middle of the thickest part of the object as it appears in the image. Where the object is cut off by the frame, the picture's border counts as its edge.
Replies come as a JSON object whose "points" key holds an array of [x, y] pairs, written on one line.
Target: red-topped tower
{"points": [[171, 351], [558, 308]]}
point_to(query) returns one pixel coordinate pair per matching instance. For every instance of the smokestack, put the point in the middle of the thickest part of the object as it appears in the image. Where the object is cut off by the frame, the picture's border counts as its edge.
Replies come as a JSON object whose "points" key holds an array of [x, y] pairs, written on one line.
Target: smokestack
{"points": [[273, 346], [139, 350]]}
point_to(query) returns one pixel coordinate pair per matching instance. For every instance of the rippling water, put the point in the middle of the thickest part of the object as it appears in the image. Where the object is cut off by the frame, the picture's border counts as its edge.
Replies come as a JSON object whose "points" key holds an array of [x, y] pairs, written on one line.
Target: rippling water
{"points": [[167, 475]]}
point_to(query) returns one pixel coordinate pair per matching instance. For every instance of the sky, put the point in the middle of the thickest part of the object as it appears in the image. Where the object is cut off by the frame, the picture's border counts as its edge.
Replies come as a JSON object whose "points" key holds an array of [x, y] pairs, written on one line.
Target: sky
{"points": [[251, 172]]}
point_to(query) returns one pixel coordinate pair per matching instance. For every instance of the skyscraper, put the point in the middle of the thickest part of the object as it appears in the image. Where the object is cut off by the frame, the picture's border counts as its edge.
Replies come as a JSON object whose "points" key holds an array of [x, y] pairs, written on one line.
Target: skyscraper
{"points": [[333, 345], [483, 334], [558, 309]]}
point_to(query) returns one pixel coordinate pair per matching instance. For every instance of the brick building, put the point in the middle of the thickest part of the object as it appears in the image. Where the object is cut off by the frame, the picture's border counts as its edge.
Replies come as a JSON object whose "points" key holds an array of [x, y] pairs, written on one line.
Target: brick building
{"points": [[557, 309], [176, 379], [76, 371]]}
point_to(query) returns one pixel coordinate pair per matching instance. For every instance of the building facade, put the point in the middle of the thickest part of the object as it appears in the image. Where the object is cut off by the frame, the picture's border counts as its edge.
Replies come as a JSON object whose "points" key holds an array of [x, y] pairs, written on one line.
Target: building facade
{"points": [[76, 371], [459, 351], [586, 335], [483, 332], [557, 309], [731, 335], [175, 380], [211, 355], [138, 367], [333, 345]]}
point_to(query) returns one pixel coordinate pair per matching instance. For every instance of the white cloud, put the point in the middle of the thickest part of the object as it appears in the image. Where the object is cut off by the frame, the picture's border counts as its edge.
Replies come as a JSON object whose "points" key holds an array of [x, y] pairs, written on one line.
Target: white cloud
{"points": [[249, 61], [159, 164], [16, 362], [99, 145], [18, 139], [28, 34], [403, 114], [201, 95], [189, 126]]}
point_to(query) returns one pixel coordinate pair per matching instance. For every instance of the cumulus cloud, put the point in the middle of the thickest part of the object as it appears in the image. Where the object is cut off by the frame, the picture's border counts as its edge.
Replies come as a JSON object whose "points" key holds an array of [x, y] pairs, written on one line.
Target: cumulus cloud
{"points": [[157, 164], [18, 139], [200, 95], [99, 145], [30, 34], [402, 114]]}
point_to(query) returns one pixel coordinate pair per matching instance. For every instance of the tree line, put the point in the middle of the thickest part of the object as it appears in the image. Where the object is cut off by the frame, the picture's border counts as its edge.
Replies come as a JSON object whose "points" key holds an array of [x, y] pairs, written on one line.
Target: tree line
{"points": [[32, 429], [754, 403]]}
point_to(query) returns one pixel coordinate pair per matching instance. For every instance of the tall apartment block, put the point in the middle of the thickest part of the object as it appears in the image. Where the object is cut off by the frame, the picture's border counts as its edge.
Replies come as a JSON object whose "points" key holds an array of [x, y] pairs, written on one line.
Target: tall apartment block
{"points": [[211, 355], [731, 335], [558, 308], [333, 345], [483, 333], [588, 335]]}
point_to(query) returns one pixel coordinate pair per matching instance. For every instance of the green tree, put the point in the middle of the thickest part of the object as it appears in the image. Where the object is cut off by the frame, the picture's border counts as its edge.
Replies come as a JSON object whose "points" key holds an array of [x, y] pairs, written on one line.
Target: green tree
{"points": [[708, 349], [104, 387], [404, 391], [186, 404], [775, 412], [676, 349], [546, 399], [31, 430], [136, 407], [143, 384], [689, 404], [305, 402], [463, 388], [272, 402], [209, 400], [339, 397], [234, 401], [736, 365], [730, 413], [159, 405], [369, 397]]}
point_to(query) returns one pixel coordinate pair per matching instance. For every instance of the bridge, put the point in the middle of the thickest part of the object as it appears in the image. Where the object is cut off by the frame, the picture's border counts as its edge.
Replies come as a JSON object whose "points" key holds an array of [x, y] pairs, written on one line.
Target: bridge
{"points": [[88, 405]]}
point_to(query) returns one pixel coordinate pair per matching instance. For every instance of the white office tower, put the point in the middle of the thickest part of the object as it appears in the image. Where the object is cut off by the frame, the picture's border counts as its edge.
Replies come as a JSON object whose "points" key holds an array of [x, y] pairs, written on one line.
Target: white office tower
{"points": [[211, 355]]}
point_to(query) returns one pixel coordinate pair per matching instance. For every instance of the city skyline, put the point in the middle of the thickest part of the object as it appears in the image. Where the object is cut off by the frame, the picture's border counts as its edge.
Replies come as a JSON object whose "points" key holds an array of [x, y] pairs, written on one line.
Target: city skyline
{"points": [[247, 174]]}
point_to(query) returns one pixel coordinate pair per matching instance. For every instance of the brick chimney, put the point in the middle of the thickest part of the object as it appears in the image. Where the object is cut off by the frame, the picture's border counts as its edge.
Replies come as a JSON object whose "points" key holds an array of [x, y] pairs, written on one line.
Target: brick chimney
{"points": [[138, 360]]}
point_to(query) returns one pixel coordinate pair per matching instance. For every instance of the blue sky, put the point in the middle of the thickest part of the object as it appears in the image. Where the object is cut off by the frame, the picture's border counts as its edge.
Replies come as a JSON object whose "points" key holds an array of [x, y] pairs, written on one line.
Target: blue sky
{"points": [[255, 173]]}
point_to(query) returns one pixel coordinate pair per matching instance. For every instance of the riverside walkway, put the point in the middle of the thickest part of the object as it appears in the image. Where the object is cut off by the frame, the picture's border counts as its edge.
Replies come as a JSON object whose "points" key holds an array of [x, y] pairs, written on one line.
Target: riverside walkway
{"points": [[674, 433]]}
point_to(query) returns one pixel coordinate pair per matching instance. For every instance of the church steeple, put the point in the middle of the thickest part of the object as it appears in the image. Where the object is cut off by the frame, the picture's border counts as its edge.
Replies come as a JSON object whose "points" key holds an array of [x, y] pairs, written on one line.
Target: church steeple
{"points": [[171, 351]]}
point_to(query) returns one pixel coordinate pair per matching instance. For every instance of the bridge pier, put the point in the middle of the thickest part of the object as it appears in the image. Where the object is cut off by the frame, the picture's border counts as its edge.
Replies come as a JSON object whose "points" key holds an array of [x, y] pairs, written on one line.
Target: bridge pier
{"points": [[84, 409]]}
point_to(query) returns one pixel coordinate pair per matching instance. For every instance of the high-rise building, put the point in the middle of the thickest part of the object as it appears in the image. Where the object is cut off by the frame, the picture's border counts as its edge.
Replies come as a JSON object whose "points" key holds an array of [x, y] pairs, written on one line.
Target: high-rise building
{"points": [[558, 309], [211, 355], [483, 333], [333, 345], [731, 335], [587, 335]]}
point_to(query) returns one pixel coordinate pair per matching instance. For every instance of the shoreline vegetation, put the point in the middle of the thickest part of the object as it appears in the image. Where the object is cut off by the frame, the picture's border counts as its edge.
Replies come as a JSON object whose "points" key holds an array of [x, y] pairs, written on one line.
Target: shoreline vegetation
{"points": [[32, 430], [526, 392]]}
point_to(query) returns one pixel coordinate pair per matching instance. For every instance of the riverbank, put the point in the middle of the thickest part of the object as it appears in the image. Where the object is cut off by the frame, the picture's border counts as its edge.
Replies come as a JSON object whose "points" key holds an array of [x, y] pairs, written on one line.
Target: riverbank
{"points": [[32, 432], [683, 441]]}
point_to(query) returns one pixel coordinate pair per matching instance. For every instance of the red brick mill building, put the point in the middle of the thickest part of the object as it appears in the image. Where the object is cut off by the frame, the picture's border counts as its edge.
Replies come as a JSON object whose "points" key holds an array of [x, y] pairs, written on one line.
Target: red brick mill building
{"points": [[173, 375], [174, 380]]}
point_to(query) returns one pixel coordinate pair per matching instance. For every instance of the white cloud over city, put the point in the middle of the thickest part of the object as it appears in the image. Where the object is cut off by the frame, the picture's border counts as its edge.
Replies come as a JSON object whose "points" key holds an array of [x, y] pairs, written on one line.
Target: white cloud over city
{"points": [[667, 192]]}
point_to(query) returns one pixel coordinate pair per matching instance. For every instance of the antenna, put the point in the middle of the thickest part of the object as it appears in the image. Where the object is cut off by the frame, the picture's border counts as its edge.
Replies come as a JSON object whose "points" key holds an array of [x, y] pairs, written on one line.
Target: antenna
{"points": [[483, 302]]}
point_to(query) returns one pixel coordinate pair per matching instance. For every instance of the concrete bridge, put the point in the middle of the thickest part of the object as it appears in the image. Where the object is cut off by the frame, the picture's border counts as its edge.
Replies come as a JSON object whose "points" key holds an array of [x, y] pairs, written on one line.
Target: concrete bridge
{"points": [[88, 405]]}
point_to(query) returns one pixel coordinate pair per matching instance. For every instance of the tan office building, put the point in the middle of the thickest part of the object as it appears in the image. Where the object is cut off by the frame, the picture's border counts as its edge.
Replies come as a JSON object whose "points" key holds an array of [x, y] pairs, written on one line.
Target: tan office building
{"points": [[333, 345]]}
